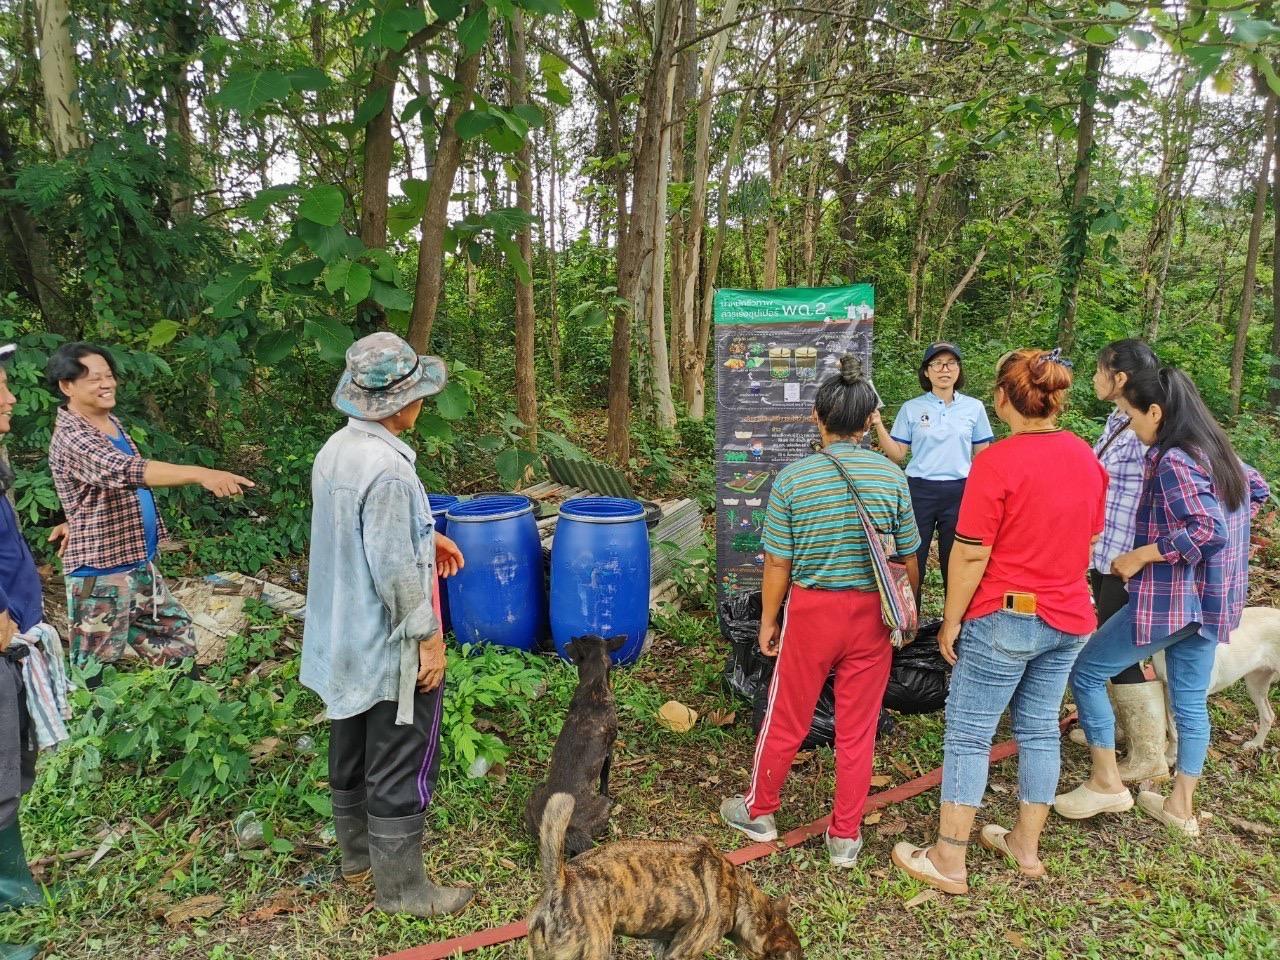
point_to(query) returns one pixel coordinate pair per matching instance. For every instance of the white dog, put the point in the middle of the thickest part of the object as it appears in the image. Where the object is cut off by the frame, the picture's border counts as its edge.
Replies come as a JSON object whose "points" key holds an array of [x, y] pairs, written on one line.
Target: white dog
{"points": [[1252, 655]]}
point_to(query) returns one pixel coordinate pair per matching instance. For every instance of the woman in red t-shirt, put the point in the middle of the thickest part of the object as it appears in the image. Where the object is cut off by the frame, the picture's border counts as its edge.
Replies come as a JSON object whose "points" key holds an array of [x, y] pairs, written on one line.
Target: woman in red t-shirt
{"points": [[1032, 508]]}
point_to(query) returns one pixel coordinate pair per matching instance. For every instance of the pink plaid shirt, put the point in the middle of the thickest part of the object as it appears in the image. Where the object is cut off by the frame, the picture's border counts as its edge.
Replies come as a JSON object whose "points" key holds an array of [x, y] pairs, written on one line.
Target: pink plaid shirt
{"points": [[97, 485]]}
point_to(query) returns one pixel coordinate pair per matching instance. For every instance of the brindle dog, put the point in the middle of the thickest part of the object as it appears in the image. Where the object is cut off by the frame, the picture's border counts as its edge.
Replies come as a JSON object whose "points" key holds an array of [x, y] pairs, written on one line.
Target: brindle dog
{"points": [[583, 752], [684, 896]]}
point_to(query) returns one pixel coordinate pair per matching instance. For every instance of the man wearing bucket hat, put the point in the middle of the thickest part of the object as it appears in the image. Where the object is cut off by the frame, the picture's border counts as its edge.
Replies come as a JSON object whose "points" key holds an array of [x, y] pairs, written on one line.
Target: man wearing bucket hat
{"points": [[33, 686], [372, 647]]}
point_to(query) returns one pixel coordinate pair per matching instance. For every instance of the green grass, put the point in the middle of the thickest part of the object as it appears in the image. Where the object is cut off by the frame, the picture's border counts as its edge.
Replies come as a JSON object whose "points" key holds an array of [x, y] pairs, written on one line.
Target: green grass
{"points": [[1120, 887]]}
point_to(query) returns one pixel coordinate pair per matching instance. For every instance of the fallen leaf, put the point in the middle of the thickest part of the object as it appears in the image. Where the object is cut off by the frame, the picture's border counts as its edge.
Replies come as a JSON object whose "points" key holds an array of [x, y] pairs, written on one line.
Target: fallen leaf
{"points": [[676, 717], [1249, 826], [998, 787], [923, 897], [498, 773], [881, 781], [1017, 939], [891, 828], [508, 863], [114, 836], [721, 718], [283, 902], [264, 748], [195, 908], [871, 819], [903, 769]]}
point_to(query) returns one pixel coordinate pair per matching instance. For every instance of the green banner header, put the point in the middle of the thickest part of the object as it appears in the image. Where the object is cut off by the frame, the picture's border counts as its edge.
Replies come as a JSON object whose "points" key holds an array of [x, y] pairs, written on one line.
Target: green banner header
{"points": [[796, 305]]}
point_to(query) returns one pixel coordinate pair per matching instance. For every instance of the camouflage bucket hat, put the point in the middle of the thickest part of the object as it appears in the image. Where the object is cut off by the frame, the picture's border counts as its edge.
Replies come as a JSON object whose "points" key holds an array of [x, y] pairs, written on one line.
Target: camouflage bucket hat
{"points": [[384, 376]]}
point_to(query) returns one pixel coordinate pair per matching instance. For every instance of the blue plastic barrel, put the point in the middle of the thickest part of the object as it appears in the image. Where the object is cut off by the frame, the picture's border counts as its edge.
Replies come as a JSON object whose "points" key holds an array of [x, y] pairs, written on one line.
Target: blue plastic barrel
{"points": [[440, 503], [600, 573], [499, 596]]}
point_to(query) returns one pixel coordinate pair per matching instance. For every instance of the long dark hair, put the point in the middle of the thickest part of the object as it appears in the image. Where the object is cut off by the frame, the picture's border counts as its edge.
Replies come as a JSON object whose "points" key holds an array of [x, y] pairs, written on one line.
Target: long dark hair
{"points": [[846, 399], [1128, 356], [1188, 425]]}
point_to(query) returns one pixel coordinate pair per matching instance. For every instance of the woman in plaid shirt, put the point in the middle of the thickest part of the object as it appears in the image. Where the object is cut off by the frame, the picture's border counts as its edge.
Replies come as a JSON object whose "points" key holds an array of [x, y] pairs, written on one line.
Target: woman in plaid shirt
{"points": [[1187, 579]]}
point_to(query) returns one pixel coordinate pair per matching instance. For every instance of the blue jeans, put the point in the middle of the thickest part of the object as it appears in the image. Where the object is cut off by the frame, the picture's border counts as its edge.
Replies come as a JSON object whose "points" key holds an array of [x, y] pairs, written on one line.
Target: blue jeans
{"points": [[1188, 659], [1006, 660]]}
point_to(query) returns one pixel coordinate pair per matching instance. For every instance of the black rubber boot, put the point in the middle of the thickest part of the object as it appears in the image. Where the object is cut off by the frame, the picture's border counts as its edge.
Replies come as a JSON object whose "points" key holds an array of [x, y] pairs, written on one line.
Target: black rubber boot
{"points": [[17, 887], [399, 878], [351, 824]]}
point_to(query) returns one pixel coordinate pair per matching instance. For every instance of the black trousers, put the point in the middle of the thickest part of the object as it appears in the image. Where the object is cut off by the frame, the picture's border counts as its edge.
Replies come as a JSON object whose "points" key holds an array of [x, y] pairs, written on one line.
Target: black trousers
{"points": [[936, 504], [1110, 597], [397, 765]]}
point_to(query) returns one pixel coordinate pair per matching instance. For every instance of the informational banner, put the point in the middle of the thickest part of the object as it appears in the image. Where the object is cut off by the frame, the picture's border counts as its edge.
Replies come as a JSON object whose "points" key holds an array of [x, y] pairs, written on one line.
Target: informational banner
{"points": [[773, 349]]}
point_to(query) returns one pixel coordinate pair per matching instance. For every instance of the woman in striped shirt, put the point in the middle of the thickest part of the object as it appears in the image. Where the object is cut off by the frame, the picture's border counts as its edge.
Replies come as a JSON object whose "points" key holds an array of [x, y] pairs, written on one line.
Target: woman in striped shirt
{"points": [[818, 556], [1187, 581]]}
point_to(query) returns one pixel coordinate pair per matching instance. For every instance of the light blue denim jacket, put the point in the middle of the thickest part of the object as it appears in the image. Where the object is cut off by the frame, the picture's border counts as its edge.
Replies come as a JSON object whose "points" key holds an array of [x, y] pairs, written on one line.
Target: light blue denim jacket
{"points": [[372, 572]]}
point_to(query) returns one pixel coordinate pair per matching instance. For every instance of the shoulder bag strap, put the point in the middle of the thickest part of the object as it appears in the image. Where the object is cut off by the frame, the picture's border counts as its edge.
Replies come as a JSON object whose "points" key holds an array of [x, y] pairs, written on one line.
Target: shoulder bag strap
{"points": [[1113, 438]]}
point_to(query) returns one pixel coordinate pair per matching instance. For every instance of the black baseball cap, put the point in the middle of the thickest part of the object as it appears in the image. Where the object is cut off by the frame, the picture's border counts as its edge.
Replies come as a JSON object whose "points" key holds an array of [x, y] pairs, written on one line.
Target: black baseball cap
{"points": [[940, 346]]}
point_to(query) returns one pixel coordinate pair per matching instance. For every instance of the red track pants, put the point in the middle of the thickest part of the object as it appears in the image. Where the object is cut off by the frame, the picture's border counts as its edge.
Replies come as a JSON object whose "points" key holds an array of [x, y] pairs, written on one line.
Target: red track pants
{"points": [[825, 630]]}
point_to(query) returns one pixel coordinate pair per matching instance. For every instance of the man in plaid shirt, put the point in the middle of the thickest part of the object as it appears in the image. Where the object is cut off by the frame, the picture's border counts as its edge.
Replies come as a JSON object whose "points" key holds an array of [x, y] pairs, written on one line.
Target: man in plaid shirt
{"points": [[115, 595]]}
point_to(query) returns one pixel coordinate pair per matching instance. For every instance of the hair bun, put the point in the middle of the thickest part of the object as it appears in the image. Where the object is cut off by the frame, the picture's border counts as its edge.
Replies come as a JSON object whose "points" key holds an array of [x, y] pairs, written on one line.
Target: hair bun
{"points": [[850, 368]]}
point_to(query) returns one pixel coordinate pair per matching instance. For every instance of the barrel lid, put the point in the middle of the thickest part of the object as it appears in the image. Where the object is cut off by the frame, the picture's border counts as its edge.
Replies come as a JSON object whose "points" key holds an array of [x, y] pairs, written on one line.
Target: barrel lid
{"points": [[602, 510], [489, 508]]}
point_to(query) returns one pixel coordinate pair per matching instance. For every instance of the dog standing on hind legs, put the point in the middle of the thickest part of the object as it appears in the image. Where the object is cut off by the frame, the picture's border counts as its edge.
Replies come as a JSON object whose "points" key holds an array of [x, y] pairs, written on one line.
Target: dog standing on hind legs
{"points": [[682, 895], [583, 753], [1252, 655]]}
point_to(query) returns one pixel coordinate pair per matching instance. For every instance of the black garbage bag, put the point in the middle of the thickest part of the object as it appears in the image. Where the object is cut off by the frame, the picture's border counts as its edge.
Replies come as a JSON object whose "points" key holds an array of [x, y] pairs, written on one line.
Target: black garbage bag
{"points": [[748, 671], [919, 678]]}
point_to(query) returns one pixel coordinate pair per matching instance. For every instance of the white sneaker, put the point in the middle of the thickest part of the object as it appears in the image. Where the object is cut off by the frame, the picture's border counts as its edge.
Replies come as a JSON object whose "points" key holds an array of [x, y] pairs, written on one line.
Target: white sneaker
{"points": [[734, 812], [843, 851]]}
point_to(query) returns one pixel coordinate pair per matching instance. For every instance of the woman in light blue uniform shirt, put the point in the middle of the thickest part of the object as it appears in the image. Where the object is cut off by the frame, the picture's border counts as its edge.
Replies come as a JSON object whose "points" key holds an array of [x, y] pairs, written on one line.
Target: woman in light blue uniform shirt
{"points": [[941, 430]]}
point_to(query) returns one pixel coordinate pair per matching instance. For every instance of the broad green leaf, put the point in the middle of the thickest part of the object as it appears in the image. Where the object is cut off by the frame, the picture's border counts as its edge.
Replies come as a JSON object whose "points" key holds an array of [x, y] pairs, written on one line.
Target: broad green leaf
{"points": [[586, 9], [557, 91], [358, 282], [1263, 63], [391, 297], [473, 32], [265, 199], [372, 106], [1116, 10], [445, 9], [163, 332], [332, 337], [327, 243], [401, 218], [511, 465], [416, 190], [309, 78], [432, 426], [384, 267], [512, 250], [473, 123], [507, 219], [304, 274], [550, 63], [336, 274], [453, 401], [1141, 39], [275, 346], [390, 30], [1250, 32], [530, 114], [491, 444], [513, 121], [1102, 33], [417, 105], [323, 205], [247, 90], [225, 293], [504, 140], [549, 7]]}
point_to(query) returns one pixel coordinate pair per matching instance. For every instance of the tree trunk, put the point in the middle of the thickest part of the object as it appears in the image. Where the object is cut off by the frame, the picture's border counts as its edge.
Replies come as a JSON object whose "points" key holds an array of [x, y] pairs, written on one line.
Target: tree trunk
{"points": [[686, 88], [58, 76], [692, 357], [526, 318], [435, 218], [553, 320], [1251, 254], [635, 246], [1077, 244], [177, 114], [664, 411], [1273, 393]]}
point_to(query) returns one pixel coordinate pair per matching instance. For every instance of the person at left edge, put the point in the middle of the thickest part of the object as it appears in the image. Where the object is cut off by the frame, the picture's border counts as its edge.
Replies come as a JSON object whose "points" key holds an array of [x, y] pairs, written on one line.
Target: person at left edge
{"points": [[941, 430], [372, 647], [33, 688], [115, 595]]}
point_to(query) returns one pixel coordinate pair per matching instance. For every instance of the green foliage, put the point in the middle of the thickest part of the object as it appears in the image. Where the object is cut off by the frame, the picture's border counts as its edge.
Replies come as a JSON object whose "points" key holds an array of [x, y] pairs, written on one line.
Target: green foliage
{"points": [[486, 679]]}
